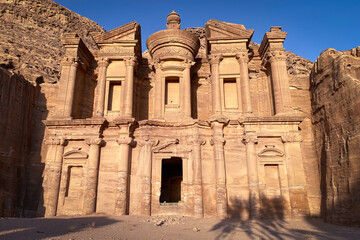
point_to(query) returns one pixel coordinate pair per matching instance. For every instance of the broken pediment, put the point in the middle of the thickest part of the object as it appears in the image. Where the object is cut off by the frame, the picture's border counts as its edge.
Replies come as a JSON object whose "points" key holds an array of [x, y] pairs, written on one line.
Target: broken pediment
{"points": [[172, 147], [215, 29], [164, 147], [130, 31], [75, 154]]}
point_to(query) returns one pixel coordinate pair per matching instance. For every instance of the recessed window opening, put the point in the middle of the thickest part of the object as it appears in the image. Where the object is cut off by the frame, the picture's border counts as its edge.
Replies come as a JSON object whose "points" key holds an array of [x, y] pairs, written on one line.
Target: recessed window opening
{"points": [[171, 179], [230, 93], [272, 180], [114, 96], [172, 91], [73, 185]]}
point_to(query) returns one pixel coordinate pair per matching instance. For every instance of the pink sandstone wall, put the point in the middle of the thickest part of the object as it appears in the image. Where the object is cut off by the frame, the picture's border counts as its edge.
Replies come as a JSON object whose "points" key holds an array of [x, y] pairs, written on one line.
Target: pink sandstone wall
{"points": [[335, 98], [17, 98]]}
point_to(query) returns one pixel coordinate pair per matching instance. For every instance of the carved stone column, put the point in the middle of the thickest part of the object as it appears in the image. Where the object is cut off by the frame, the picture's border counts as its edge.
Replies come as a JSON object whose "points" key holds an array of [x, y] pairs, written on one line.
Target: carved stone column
{"points": [[52, 174], [90, 194], [218, 142], [100, 99], [280, 80], [187, 88], [123, 176], [129, 87], [146, 163], [70, 88], [244, 82], [252, 168], [158, 90], [215, 83], [198, 189], [296, 174]]}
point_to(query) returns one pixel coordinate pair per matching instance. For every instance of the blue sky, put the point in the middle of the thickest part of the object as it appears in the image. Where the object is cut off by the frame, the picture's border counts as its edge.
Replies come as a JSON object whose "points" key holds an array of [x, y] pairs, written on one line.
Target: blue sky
{"points": [[312, 26]]}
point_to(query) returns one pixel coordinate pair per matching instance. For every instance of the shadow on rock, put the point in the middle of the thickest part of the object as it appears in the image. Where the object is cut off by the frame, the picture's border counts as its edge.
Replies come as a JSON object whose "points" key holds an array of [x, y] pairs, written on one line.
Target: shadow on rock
{"points": [[43, 228]]}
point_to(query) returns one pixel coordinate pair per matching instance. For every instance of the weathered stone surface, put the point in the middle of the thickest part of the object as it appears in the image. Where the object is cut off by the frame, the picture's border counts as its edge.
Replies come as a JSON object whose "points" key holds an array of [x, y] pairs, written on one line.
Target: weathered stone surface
{"points": [[335, 99], [17, 97], [30, 32], [232, 114], [210, 113]]}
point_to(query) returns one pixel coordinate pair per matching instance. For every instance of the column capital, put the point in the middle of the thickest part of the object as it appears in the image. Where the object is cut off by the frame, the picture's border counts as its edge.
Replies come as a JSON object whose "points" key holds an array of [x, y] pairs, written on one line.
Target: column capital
{"points": [[103, 62], [157, 63], [196, 140], [215, 119], [56, 141], [291, 137], [148, 142], [249, 139], [217, 139], [215, 59], [275, 56], [130, 61], [70, 61], [125, 140], [243, 57], [94, 141], [66, 62], [188, 63]]}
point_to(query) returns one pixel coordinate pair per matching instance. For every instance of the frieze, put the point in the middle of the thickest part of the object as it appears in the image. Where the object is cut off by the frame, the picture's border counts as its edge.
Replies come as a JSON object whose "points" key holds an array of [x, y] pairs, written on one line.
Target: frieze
{"points": [[227, 48], [291, 137], [173, 52]]}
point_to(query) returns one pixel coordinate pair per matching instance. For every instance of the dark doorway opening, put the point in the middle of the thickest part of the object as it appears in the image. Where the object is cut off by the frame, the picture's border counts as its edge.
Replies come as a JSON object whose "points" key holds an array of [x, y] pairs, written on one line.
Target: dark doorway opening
{"points": [[171, 179]]}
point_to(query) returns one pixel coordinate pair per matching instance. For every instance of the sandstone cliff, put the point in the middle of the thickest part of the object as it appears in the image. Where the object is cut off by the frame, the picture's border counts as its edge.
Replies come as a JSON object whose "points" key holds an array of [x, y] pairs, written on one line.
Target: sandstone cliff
{"points": [[335, 98], [30, 32], [30, 45]]}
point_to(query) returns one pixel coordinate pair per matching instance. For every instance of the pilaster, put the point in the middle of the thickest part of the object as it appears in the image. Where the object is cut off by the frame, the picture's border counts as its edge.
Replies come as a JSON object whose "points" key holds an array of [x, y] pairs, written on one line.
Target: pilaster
{"points": [[296, 174], [252, 168], [100, 99], [158, 114], [52, 174], [145, 159], [187, 88], [130, 63], [218, 142], [92, 175], [197, 183], [122, 194], [215, 83], [272, 53], [244, 82]]}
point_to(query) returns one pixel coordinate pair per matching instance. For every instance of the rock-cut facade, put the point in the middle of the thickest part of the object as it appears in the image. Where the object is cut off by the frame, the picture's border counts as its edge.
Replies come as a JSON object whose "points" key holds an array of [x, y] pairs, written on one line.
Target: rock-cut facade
{"points": [[200, 126]]}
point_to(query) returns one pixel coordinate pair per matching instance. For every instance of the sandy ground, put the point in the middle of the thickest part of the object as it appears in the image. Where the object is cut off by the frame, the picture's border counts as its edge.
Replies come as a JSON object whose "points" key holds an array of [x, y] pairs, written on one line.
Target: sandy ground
{"points": [[168, 227]]}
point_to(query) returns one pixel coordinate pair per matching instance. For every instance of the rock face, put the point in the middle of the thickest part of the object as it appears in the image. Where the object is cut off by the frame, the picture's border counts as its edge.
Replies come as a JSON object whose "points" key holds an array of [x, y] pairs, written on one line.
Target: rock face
{"points": [[30, 32], [335, 98], [17, 97], [30, 35], [241, 155]]}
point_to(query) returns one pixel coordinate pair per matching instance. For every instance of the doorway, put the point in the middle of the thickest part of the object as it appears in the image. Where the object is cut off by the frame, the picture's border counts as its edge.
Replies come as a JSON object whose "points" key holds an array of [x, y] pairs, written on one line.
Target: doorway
{"points": [[171, 180]]}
